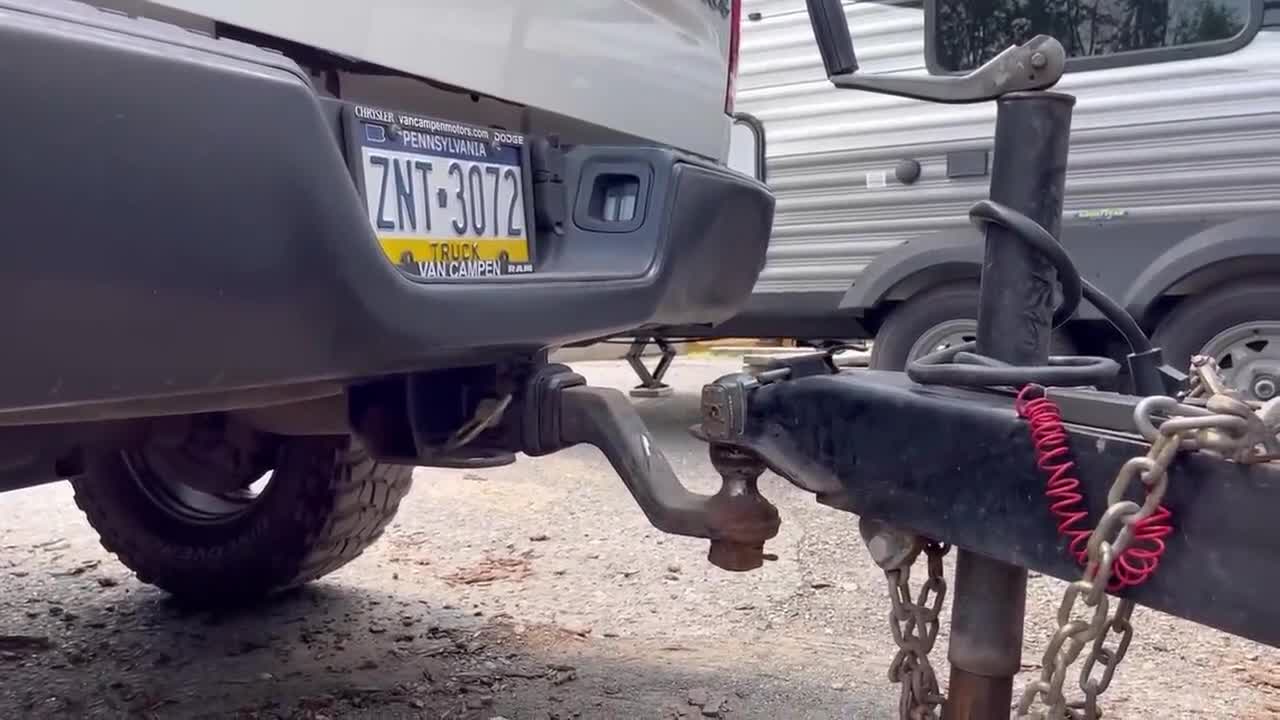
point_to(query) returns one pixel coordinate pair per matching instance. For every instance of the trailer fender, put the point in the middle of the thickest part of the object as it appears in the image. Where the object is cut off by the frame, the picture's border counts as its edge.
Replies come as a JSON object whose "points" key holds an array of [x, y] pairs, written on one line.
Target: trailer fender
{"points": [[1253, 237], [934, 259]]}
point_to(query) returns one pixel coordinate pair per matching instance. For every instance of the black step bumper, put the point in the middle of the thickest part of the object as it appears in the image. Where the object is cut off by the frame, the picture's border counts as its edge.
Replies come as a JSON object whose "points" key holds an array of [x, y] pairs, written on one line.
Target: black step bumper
{"points": [[179, 219]]}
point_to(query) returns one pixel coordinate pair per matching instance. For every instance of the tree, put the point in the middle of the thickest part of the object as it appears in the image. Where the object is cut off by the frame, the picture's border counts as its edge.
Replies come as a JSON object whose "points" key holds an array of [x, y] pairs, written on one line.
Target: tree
{"points": [[1206, 21], [971, 32]]}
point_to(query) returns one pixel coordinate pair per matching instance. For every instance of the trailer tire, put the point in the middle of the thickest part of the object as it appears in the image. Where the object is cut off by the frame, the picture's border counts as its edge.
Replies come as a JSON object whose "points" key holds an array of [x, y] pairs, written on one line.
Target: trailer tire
{"points": [[1248, 310], [949, 311], [325, 502], [933, 312]]}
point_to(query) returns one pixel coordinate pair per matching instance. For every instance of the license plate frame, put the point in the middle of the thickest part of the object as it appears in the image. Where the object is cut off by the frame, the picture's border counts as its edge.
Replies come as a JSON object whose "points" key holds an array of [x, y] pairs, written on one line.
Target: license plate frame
{"points": [[443, 255]]}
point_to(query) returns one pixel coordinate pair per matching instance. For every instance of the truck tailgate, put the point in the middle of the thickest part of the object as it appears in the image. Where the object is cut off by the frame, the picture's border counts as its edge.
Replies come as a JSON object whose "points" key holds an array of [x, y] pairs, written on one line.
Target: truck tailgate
{"points": [[657, 69]]}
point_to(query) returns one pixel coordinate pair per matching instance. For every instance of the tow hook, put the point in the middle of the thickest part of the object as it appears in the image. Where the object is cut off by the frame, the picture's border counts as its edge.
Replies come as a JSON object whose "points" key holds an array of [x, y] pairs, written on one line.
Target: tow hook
{"points": [[737, 519]]}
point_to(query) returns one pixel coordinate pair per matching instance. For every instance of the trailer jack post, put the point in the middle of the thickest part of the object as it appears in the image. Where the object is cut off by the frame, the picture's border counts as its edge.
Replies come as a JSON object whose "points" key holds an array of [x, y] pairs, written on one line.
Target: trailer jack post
{"points": [[1015, 310], [986, 637]]}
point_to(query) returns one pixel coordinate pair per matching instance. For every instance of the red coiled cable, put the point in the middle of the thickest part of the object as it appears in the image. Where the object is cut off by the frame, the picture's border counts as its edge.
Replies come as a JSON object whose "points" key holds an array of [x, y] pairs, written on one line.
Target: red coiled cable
{"points": [[1053, 456]]}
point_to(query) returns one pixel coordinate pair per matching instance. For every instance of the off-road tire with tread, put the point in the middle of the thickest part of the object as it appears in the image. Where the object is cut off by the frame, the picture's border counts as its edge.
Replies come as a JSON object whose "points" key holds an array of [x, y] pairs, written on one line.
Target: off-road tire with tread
{"points": [[325, 503]]}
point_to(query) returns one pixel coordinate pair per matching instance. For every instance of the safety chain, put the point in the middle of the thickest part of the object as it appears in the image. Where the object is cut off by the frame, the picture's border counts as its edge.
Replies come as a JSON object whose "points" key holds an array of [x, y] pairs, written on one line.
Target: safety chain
{"points": [[1253, 439], [915, 625], [1224, 424], [1204, 381]]}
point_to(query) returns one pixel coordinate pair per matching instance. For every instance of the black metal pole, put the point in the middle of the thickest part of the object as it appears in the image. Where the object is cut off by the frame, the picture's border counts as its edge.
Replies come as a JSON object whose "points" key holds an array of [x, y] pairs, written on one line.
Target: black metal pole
{"points": [[1014, 325]]}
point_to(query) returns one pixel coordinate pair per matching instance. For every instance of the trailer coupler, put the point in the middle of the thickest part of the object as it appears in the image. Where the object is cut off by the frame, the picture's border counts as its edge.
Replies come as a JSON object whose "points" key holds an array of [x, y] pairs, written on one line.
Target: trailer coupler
{"points": [[957, 466], [561, 410], [960, 467]]}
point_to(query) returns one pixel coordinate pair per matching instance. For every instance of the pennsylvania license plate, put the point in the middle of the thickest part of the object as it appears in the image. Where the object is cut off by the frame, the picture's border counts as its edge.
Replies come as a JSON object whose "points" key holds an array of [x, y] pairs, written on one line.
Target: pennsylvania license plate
{"points": [[446, 199]]}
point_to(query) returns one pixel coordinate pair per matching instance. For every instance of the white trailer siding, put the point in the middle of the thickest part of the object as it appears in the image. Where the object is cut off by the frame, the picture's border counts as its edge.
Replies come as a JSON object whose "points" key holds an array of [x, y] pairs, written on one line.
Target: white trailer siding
{"points": [[1197, 139]]}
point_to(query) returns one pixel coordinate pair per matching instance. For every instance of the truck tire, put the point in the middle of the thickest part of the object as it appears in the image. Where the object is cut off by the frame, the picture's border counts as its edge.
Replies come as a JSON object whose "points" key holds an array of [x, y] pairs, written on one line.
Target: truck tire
{"points": [[324, 503], [1239, 325], [933, 319]]}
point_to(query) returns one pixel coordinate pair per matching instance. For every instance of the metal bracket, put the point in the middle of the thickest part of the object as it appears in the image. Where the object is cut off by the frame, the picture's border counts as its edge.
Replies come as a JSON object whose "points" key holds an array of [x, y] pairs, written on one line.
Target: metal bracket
{"points": [[724, 402], [1035, 65]]}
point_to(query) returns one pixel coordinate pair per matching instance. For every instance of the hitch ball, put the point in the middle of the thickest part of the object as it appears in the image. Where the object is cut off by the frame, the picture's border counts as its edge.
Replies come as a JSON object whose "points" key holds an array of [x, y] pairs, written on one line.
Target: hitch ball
{"points": [[743, 519]]}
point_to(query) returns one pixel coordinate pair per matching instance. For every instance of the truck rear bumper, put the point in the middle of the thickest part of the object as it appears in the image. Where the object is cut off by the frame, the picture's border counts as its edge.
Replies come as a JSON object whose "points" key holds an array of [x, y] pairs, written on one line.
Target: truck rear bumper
{"points": [[180, 220]]}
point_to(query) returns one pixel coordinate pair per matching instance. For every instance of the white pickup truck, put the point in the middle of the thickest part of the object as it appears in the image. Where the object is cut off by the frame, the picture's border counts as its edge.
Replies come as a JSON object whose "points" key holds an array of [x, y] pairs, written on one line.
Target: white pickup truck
{"points": [[261, 257]]}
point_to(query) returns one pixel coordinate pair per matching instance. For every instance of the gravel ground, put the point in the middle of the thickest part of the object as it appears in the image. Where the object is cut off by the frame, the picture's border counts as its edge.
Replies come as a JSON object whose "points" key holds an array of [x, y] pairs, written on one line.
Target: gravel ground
{"points": [[532, 591]]}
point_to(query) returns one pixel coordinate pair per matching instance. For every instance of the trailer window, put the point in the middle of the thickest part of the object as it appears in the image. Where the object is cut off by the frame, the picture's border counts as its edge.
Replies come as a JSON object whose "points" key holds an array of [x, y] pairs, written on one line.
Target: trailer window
{"points": [[967, 33], [1271, 14]]}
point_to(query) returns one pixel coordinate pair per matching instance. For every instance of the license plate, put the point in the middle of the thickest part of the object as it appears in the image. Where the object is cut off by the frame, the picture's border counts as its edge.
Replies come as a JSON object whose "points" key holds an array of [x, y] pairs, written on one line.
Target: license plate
{"points": [[446, 199]]}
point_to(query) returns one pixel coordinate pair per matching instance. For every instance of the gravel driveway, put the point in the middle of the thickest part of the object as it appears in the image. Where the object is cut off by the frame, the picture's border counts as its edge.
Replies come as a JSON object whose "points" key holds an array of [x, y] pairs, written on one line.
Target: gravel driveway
{"points": [[531, 591]]}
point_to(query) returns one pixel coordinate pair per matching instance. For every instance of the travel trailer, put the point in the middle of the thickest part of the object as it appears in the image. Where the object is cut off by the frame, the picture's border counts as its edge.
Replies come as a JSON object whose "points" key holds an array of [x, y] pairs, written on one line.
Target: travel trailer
{"points": [[1173, 186]]}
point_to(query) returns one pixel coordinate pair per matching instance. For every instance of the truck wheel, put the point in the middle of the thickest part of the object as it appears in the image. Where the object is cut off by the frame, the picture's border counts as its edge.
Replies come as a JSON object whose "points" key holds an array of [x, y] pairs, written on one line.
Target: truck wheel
{"points": [[197, 520], [935, 320], [1237, 325]]}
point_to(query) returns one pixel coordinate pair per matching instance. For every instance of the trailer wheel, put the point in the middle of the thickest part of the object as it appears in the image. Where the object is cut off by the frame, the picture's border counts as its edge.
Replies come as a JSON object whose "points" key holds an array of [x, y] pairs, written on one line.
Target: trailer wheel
{"points": [[929, 321], [1239, 326], [199, 522], [935, 320]]}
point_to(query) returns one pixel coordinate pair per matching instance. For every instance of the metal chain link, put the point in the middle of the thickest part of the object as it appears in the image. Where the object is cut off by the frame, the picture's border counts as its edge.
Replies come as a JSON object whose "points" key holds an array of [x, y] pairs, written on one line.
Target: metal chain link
{"points": [[914, 625], [1210, 417], [1217, 421], [1257, 440]]}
